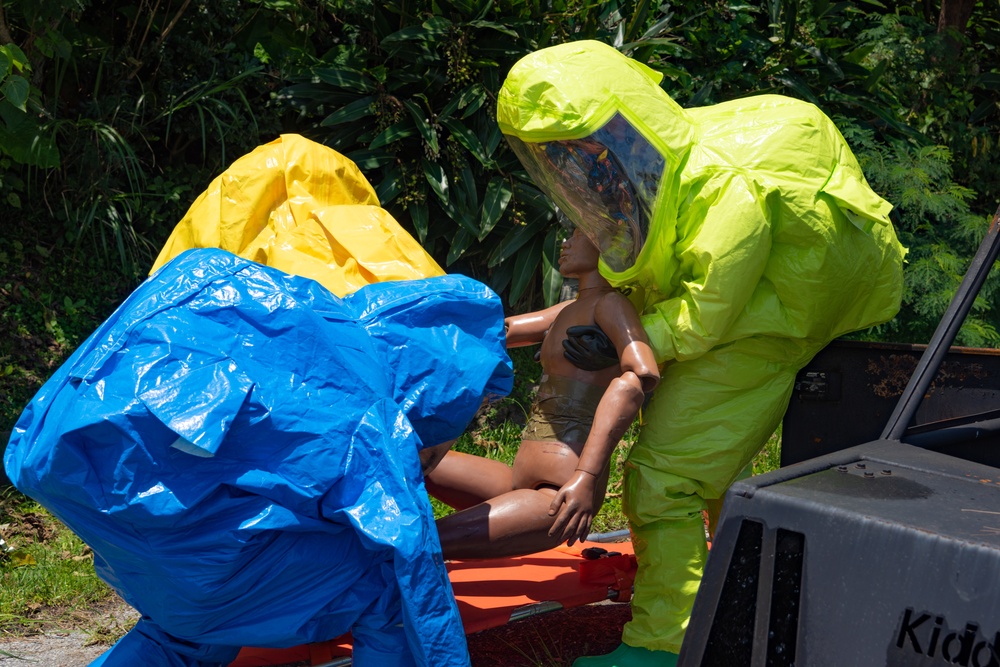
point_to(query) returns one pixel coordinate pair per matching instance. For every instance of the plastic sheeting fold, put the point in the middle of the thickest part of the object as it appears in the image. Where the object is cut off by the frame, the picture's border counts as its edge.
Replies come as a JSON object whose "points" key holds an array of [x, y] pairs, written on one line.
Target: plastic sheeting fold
{"points": [[240, 449]]}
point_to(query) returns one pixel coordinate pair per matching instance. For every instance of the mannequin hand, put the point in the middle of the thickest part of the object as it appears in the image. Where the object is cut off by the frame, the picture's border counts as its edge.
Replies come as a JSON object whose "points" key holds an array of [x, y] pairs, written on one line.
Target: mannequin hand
{"points": [[573, 507], [589, 349]]}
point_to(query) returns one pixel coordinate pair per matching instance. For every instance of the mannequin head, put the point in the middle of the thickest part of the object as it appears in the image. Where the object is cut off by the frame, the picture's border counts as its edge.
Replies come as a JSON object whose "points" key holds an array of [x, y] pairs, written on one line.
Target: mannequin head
{"points": [[578, 255]]}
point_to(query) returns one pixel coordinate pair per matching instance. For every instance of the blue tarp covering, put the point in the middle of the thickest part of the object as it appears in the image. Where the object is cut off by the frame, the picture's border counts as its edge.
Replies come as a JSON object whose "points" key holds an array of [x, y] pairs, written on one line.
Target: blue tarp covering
{"points": [[240, 449]]}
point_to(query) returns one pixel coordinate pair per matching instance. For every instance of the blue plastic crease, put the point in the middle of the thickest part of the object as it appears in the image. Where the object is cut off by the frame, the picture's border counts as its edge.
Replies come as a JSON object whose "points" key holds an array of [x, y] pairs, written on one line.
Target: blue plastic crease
{"points": [[240, 449]]}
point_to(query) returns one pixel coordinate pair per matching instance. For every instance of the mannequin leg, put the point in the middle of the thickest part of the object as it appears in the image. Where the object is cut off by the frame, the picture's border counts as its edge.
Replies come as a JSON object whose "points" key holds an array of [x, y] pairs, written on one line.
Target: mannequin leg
{"points": [[512, 524], [464, 480]]}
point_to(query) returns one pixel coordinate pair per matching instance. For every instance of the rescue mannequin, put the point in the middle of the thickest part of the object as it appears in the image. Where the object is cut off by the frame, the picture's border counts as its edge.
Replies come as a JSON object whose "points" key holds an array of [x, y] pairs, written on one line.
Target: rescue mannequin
{"points": [[559, 476], [746, 237]]}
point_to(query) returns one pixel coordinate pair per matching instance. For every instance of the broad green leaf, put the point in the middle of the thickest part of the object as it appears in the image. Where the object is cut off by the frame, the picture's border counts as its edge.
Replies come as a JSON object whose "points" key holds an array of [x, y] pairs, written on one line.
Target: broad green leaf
{"points": [[464, 216], [639, 18], [394, 132], [15, 90], [797, 85], [390, 187], [675, 73], [24, 140], [888, 117], [437, 26], [527, 192], [63, 48], [45, 46], [492, 139], [459, 245], [356, 110], [514, 241], [668, 45], [468, 95], [463, 7], [698, 99], [261, 54], [5, 64], [423, 125], [500, 49], [476, 102], [982, 111], [467, 138], [500, 278], [484, 9], [822, 58], [465, 188], [853, 71], [419, 217], [873, 78], [498, 194], [17, 56], [860, 53], [525, 268], [499, 27], [658, 27], [438, 180], [367, 160], [345, 78], [379, 73], [344, 137], [989, 80], [552, 280]]}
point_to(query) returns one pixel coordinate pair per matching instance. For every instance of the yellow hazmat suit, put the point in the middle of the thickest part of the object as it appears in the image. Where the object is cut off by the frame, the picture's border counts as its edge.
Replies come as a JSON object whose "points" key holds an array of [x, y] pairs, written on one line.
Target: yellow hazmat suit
{"points": [[305, 209], [746, 236]]}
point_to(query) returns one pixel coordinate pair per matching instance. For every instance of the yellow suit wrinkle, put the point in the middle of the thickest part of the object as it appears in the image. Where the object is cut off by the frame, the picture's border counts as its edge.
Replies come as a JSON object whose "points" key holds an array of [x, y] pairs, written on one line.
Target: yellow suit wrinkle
{"points": [[764, 243]]}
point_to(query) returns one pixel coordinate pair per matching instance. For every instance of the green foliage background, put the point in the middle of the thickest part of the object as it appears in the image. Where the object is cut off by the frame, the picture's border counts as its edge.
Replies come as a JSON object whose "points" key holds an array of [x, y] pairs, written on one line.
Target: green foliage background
{"points": [[114, 115]]}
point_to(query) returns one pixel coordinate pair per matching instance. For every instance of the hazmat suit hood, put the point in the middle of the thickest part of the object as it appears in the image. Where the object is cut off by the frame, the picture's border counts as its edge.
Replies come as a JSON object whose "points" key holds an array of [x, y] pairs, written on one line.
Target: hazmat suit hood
{"points": [[602, 141], [749, 217], [304, 208]]}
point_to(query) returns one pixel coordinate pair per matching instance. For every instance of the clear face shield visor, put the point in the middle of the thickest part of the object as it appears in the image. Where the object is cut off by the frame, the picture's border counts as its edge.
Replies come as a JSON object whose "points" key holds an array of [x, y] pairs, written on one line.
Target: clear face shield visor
{"points": [[605, 183]]}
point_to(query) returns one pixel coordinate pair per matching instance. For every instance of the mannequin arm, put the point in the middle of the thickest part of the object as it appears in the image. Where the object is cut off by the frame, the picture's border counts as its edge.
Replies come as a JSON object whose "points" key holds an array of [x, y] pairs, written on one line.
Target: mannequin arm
{"points": [[530, 328], [616, 316], [574, 504]]}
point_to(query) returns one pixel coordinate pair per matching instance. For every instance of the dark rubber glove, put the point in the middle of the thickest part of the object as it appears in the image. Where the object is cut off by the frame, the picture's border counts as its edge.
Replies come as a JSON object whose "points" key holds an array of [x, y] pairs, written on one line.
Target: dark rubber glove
{"points": [[589, 348]]}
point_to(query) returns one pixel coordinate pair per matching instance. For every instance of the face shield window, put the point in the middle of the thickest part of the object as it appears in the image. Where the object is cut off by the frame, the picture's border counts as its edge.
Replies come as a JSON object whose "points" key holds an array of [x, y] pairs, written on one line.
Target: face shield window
{"points": [[606, 184]]}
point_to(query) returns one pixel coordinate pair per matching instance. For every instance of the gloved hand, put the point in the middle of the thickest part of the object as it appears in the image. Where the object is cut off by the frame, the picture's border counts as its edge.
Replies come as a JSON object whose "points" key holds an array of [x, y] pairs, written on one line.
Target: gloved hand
{"points": [[588, 348]]}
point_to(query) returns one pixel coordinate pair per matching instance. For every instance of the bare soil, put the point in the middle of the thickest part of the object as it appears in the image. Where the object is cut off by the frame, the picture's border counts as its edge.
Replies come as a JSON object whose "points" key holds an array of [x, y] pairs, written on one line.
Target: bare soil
{"points": [[75, 640], [554, 639]]}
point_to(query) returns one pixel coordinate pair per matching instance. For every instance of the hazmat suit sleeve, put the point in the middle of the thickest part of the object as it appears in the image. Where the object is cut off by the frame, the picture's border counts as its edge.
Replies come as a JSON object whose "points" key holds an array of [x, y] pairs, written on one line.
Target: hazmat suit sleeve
{"points": [[723, 241]]}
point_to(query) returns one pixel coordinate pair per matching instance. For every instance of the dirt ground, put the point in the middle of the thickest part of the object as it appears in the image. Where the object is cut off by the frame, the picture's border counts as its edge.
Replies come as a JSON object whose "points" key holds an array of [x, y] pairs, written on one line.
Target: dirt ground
{"points": [[70, 647], [554, 639]]}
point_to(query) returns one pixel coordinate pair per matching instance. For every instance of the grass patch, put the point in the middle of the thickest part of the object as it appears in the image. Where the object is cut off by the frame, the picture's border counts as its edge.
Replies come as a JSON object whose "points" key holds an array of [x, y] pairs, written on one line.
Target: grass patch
{"points": [[48, 578], [768, 458]]}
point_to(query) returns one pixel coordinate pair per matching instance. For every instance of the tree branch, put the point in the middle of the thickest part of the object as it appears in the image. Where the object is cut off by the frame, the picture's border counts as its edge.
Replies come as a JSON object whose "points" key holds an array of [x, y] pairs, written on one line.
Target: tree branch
{"points": [[5, 37]]}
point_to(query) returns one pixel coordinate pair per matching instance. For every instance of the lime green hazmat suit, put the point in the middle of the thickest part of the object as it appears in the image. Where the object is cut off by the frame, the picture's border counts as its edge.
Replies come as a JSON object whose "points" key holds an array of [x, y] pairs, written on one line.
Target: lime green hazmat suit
{"points": [[747, 238]]}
